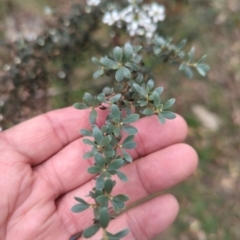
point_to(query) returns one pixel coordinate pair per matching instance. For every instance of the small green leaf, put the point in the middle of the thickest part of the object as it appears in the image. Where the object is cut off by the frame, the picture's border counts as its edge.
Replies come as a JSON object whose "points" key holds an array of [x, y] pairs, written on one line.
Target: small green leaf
{"points": [[98, 73], [90, 231], [101, 97], [130, 130], [100, 182], [86, 132], [81, 200], [161, 118], [131, 118], [115, 98], [120, 204], [143, 103], [182, 44], [120, 234], [88, 142], [148, 112], [94, 170], [108, 63], [93, 116], [116, 164], [168, 115], [97, 134], [202, 69], [118, 53], [116, 114], [108, 185], [188, 72], [99, 159], [122, 176], [80, 106], [155, 98], [79, 208], [202, 59], [133, 66], [128, 52], [127, 156], [159, 90], [139, 89], [104, 217], [121, 197], [129, 145], [88, 155], [119, 75], [103, 200], [169, 103], [128, 139], [150, 84], [191, 54], [88, 99], [96, 62]]}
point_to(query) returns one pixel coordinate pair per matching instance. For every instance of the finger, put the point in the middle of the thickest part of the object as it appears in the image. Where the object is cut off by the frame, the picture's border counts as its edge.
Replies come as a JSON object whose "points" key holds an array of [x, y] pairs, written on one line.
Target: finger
{"points": [[43, 136], [151, 174], [146, 220], [68, 166]]}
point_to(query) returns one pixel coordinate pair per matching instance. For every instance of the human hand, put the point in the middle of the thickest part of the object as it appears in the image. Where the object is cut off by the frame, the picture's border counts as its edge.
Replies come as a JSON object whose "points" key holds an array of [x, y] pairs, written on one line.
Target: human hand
{"points": [[41, 171]]}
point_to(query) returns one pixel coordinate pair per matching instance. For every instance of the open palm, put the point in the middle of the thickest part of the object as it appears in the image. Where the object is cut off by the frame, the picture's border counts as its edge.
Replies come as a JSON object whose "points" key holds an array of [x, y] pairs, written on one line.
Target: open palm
{"points": [[41, 171]]}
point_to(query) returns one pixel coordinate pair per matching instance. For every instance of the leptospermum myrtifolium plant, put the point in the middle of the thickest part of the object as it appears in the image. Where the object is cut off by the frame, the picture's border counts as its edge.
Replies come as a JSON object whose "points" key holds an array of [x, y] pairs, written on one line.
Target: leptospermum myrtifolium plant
{"points": [[108, 145], [132, 96]]}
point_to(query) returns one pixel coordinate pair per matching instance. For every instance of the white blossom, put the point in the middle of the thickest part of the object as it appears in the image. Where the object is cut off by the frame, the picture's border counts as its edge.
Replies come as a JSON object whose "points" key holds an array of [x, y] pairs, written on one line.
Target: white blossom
{"points": [[140, 19], [157, 12], [93, 2], [111, 17]]}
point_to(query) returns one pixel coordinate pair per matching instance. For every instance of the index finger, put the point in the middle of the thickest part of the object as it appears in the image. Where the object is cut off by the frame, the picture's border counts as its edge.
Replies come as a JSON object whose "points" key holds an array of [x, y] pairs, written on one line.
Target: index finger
{"points": [[43, 136]]}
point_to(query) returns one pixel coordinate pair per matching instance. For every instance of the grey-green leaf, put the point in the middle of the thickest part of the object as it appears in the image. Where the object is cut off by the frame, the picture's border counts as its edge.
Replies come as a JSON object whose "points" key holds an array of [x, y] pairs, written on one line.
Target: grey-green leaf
{"points": [[79, 208], [98, 73], [99, 159], [80, 106], [94, 170], [97, 134], [169, 103], [148, 112], [128, 52], [140, 89], [90, 231], [118, 53], [122, 176], [131, 118], [130, 130], [116, 164], [159, 90], [129, 145], [121, 197], [104, 217], [116, 114], [96, 62], [191, 54], [93, 116], [168, 115], [161, 118], [108, 63], [202, 69], [108, 185]]}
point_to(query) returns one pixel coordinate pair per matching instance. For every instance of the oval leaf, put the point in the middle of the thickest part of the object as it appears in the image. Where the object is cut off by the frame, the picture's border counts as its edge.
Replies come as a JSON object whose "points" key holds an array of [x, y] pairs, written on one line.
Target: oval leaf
{"points": [[90, 231]]}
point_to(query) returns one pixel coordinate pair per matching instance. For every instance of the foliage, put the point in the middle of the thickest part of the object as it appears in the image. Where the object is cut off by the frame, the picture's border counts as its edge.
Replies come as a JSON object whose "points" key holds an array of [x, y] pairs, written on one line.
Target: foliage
{"points": [[132, 91]]}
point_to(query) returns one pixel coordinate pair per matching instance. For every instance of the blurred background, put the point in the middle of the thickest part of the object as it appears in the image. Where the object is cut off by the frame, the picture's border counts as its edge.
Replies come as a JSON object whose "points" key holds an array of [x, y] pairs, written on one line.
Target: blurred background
{"points": [[32, 32]]}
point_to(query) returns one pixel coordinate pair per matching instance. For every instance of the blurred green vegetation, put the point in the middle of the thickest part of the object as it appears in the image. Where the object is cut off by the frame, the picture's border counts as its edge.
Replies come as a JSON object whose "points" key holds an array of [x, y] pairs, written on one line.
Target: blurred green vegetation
{"points": [[210, 199]]}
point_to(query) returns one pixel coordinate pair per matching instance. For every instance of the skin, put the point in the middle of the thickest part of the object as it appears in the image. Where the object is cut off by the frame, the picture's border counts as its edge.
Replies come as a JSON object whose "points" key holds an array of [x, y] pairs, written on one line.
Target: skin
{"points": [[42, 170]]}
